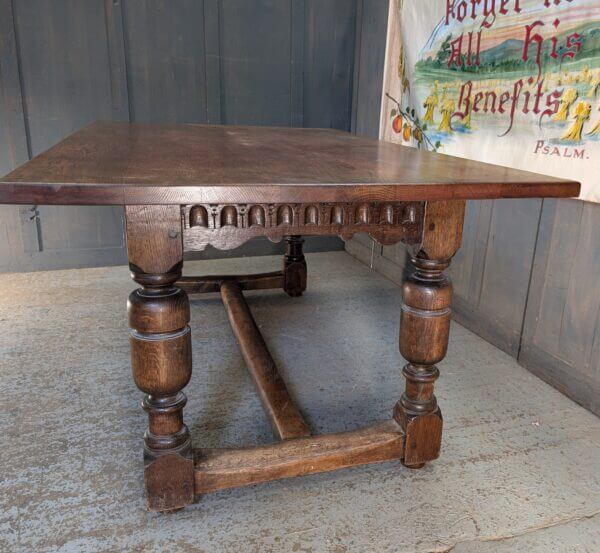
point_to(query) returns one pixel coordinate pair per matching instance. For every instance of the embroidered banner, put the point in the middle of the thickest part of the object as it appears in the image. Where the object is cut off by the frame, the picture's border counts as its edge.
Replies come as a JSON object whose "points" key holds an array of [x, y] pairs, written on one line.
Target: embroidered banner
{"points": [[512, 82]]}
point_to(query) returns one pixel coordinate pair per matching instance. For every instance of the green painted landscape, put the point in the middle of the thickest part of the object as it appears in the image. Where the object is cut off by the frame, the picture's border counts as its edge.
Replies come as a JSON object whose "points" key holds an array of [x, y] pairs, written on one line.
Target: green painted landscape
{"points": [[505, 62]]}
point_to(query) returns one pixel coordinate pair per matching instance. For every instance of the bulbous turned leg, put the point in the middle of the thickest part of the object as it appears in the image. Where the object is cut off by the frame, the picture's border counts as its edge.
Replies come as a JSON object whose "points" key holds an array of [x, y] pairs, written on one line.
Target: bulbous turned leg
{"points": [[424, 331], [294, 267], [161, 358], [161, 350]]}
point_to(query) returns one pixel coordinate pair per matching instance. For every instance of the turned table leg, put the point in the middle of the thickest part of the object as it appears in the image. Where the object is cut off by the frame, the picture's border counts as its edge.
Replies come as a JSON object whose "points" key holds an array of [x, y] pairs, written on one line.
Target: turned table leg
{"points": [[424, 330], [294, 267], [161, 352]]}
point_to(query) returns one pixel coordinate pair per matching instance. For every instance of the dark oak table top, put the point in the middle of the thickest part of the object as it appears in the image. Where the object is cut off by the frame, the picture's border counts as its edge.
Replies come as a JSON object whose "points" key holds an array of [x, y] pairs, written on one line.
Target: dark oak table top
{"points": [[111, 163]]}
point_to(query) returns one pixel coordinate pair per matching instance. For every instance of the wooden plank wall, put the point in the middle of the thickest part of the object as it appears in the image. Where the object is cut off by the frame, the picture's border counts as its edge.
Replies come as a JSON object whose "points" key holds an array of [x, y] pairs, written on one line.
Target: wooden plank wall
{"points": [[67, 63], [13, 138], [527, 276], [561, 335], [369, 55], [65, 85]]}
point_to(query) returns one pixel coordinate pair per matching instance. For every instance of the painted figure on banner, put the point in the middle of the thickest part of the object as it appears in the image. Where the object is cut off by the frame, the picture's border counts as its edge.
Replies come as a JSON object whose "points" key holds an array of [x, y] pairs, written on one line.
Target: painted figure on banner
{"points": [[512, 82]]}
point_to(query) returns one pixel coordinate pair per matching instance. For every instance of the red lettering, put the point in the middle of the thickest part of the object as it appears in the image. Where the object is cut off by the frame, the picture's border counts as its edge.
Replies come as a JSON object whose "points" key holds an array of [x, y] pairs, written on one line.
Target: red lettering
{"points": [[504, 97], [474, 3], [518, 86], [493, 96], [469, 56], [526, 104], [573, 44], [552, 104], [573, 40], [489, 10], [538, 96], [464, 97], [449, 10], [476, 100], [469, 46], [461, 11], [548, 3], [456, 52], [529, 39]]}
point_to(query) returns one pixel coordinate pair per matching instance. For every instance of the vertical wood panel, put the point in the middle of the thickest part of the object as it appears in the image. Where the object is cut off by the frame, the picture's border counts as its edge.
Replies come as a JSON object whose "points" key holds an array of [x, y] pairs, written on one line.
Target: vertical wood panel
{"points": [[495, 269], [116, 57], [165, 53], [508, 261], [562, 325], [558, 234], [369, 64], [356, 75], [462, 269], [329, 45], [582, 294], [66, 84], [473, 259], [297, 63], [64, 67], [13, 138], [255, 46], [212, 41]]}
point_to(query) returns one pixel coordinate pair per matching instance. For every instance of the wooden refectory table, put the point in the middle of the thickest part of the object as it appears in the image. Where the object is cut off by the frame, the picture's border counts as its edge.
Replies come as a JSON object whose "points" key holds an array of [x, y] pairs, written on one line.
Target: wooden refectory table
{"points": [[185, 187]]}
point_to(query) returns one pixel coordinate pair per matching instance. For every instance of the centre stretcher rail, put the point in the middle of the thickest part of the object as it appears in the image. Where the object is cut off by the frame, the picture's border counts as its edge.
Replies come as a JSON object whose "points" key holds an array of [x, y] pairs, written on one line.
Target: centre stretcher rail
{"points": [[298, 453]]}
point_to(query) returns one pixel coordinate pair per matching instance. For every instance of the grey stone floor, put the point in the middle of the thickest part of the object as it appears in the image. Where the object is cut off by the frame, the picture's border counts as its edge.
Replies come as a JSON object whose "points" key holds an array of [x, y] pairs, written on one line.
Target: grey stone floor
{"points": [[520, 465]]}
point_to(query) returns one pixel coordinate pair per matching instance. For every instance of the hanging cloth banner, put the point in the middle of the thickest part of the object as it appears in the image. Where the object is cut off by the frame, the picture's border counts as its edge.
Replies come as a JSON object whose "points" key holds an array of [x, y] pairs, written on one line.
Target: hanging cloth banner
{"points": [[511, 82]]}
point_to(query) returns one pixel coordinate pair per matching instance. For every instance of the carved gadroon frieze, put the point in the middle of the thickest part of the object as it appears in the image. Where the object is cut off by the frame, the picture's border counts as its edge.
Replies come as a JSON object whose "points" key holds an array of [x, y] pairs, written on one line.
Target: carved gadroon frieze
{"points": [[227, 226]]}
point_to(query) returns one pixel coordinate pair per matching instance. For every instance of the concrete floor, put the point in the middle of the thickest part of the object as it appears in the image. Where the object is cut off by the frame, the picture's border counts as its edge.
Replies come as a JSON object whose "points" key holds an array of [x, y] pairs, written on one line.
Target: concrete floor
{"points": [[520, 465]]}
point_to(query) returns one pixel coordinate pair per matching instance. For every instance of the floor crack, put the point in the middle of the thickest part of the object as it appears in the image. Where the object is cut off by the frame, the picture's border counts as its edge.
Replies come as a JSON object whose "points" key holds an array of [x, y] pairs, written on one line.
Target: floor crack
{"points": [[558, 522]]}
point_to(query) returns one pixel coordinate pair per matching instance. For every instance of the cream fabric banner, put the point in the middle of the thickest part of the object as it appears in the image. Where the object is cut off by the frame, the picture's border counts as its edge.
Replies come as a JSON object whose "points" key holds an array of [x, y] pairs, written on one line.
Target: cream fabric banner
{"points": [[512, 82]]}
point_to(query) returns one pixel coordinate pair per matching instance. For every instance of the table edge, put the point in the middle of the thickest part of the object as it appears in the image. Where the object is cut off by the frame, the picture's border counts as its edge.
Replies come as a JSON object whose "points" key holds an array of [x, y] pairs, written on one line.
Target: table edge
{"points": [[82, 194]]}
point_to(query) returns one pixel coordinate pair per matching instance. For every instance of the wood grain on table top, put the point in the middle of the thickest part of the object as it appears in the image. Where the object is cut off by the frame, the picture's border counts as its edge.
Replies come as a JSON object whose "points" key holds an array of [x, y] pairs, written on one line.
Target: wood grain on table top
{"points": [[117, 163]]}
